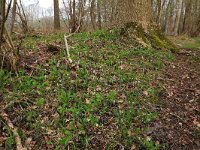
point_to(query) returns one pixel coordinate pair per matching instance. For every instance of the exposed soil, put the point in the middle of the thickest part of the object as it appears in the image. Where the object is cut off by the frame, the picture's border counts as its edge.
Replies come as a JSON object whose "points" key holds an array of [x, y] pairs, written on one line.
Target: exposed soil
{"points": [[178, 126]]}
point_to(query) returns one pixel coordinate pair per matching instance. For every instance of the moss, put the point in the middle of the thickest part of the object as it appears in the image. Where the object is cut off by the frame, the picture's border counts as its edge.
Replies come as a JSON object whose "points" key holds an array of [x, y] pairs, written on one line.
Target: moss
{"points": [[159, 40], [152, 37]]}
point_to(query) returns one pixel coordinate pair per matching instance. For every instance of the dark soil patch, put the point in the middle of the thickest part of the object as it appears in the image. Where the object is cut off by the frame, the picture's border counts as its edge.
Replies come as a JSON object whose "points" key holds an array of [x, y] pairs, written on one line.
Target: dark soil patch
{"points": [[178, 126]]}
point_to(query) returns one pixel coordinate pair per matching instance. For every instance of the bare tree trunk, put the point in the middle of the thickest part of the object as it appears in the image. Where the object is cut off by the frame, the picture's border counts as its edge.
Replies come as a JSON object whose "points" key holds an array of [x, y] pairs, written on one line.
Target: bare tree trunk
{"points": [[139, 11], [187, 19], [92, 15], [23, 17], [99, 14], [81, 14], [134, 18], [178, 16], [159, 11], [74, 14], [105, 15], [169, 17], [56, 15], [14, 9], [74, 22], [2, 20]]}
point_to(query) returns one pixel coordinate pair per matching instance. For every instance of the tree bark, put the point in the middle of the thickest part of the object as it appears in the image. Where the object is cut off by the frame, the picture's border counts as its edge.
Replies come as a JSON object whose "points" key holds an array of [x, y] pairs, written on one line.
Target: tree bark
{"points": [[188, 17], [23, 17], [92, 14], [134, 18], [139, 11], [99, 14], [2, 20], [178, 16], [56, 15], [14, 9]]}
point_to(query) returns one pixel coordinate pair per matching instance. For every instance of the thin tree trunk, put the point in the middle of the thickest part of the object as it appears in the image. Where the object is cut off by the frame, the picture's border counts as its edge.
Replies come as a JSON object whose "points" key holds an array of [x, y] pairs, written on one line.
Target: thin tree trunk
{"points": [[14, 9], [178, 16], [92, 15], [56, 15], [81, 14], [23, 17], [99, 14], [159, 11], [188, 15], [169, 16], [2, 20]]}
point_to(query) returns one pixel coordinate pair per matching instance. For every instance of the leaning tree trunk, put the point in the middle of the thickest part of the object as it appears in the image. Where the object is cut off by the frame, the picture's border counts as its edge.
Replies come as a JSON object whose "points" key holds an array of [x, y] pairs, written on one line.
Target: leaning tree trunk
{"points": [[134, 18]]}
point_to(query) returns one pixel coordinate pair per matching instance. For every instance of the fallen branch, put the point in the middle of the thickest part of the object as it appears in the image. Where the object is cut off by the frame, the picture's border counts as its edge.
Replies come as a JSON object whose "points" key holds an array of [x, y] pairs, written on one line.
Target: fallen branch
{"points": [[14, 130], [66, 43], [67, 47]]}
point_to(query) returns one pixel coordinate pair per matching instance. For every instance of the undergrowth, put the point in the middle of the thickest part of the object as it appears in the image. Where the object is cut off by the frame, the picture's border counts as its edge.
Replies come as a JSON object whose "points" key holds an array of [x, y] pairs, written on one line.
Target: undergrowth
{"points": [[101, 100]]}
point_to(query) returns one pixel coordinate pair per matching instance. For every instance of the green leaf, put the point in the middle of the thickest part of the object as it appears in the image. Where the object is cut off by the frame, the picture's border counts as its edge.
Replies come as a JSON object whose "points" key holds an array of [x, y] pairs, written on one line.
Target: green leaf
{"points": [[40, 102]]}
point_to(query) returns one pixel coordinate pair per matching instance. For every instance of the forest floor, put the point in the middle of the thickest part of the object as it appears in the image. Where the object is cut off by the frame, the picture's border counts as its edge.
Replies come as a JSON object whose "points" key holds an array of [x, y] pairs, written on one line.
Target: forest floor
{"points": [[179, 116], [112, 96]]}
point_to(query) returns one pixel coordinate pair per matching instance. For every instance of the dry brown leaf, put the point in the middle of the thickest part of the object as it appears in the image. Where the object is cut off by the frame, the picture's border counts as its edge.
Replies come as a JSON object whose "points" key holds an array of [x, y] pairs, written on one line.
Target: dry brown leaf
{"points": [[197, 123], [87, 101], [145, 93], [133, 147], [123, 96], [98, 89]]}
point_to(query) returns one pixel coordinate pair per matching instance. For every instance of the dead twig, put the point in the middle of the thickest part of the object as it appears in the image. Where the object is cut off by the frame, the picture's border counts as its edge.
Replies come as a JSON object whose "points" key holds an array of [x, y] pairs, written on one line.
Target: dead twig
{"points": [[19, 145], [67, 47], [66, 43]]}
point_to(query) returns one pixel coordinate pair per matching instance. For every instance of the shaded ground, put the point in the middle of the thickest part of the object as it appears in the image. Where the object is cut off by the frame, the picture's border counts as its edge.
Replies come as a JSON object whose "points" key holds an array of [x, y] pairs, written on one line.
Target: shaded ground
{"points": [[179, 116]]}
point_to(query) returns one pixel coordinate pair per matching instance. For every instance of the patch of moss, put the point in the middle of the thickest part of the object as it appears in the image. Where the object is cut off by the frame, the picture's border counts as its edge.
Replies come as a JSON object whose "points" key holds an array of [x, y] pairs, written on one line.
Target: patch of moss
{"points": [[152, 37], [159, 40]]}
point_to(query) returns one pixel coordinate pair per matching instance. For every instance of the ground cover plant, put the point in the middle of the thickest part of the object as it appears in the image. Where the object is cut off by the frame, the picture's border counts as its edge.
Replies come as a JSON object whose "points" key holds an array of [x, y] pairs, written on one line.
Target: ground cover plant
{"points": [[101, 100]]}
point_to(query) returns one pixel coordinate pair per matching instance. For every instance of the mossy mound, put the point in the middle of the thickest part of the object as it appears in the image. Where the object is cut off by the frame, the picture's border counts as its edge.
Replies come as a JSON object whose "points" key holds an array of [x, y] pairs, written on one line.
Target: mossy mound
{"points": [[152, 37]]}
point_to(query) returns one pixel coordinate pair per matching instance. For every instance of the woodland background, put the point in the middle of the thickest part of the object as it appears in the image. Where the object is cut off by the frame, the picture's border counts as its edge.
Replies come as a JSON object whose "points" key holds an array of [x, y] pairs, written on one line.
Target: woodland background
{"points": [[175, 17]]}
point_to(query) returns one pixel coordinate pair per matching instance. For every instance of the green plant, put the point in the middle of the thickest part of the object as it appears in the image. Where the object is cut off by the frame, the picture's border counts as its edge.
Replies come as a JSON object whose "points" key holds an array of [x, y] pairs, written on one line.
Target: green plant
{"points": [[40, 102]]}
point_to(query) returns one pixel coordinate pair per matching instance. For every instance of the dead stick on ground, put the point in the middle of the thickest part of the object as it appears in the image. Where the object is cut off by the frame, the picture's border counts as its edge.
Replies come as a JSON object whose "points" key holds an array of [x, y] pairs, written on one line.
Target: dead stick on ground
{"points": [[66, 43], [67, 48], [14, 130]]}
